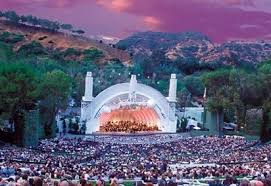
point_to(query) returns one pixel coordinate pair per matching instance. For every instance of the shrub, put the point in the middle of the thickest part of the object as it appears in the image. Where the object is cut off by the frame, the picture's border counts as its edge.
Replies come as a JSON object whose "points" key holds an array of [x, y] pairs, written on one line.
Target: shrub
{"points": [[92, 54], [33, 48], [11, 38], [70, 52]]}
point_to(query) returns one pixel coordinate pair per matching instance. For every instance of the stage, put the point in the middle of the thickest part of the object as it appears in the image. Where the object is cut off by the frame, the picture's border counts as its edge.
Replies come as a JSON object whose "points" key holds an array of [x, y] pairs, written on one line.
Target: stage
{"points": [[140, 133], [129, 107]]}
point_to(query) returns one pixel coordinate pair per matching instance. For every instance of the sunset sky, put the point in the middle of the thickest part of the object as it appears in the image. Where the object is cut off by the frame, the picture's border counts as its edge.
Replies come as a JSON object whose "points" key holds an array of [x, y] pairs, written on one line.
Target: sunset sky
{"points": [[221, 20]]}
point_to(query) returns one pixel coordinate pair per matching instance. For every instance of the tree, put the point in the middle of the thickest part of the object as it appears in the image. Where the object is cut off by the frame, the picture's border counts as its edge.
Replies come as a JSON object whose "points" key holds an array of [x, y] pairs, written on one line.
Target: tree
{"points": [[238, 81], [32, 49], [51, 25], [18, 94], [66, 26], [184, 122], [64, 126], [92, 54], [187, 66], [184, 97], [80, 32], [12, 17], [246, 92], [218, 93], [32, 20], [55, 89], [265, 76], [194, 85], [137, 68], [162, 86], [78, 88], [111, 73], [23, 19]]}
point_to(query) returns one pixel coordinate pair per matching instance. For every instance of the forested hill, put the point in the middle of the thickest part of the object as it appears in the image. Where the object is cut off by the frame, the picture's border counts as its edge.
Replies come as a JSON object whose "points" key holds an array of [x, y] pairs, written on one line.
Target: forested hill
{"points": [[73, 45], [47, 46], [196, 48]]}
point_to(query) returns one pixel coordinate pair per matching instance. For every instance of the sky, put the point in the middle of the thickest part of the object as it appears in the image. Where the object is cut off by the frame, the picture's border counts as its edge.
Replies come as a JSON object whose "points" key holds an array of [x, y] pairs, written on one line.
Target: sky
{"points": [[220, 20]]}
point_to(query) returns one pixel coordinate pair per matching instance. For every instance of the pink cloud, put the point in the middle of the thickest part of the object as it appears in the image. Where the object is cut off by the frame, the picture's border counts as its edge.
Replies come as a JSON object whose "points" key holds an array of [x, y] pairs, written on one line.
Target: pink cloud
{"points": [[239, 2], [152, 22], [221, 20], [218, 19], [120, 5]]}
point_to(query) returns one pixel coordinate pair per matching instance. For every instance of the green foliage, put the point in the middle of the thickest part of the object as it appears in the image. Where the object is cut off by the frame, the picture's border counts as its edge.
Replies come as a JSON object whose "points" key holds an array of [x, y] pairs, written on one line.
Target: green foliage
{"points": [[78, 32], [254, 120], [66, 26], [92, 54], [51, 25], [184, 122], [136, 69], [83, 128], [31, 20], [44, 23], [110, 74], [11, 38], [32, 129], [32, 49], [218, 89], [162, 86], [180, 83], [122, 46], [11, 16], [55, 89], [71, 51], [18, 88], [73, 126], [18, 93], [184, 97], [237, 90], [188, 66], [218, 94], [78, 88], [45, 64], [265, 74], [194, 85], [6, 52], [143, 65]]}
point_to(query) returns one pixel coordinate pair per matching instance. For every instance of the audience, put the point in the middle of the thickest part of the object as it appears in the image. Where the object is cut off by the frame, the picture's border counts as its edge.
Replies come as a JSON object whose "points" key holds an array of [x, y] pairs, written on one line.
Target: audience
{"points": [[155, 159]]}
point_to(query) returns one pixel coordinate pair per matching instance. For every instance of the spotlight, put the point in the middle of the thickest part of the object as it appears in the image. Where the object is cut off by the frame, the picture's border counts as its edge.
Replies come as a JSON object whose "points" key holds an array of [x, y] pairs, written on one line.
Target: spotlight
{"points": [[151, 102]]}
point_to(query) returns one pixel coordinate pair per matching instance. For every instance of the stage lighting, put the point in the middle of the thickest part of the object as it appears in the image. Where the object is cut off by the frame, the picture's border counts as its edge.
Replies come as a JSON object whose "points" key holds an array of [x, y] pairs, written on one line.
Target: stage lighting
{"points": [[151, 102]]}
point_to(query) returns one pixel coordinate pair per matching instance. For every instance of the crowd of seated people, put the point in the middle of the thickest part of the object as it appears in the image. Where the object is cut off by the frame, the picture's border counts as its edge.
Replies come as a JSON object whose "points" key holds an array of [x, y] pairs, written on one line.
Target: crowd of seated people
{"points": [[127, 126], [142, 138], [80, 160]]}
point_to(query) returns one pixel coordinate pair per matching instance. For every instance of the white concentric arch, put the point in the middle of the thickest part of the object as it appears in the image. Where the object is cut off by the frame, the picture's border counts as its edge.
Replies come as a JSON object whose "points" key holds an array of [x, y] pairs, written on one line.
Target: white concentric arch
{"points": [[162, 106]]}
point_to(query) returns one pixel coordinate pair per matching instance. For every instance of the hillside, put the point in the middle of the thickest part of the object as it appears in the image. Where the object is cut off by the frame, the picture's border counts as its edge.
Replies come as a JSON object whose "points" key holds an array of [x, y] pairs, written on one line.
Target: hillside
{"points": [[153, 56], [61, 42], [196, 47]]}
